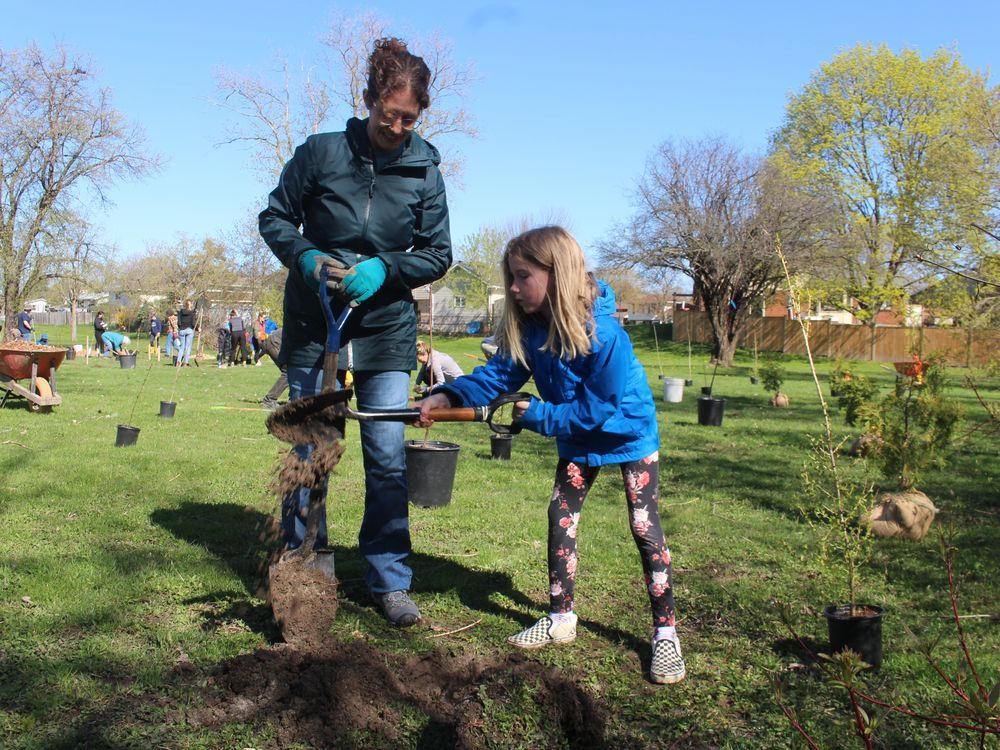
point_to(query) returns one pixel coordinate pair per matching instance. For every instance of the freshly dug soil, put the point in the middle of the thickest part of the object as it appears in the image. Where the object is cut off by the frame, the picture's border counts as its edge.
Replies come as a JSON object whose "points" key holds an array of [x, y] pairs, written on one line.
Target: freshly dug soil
{"points": [[304, 600], [351, 695]]}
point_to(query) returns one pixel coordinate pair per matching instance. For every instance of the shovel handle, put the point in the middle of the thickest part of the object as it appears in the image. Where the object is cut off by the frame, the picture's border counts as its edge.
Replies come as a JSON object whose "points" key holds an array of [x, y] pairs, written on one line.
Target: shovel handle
{"points": [[454, 414]]}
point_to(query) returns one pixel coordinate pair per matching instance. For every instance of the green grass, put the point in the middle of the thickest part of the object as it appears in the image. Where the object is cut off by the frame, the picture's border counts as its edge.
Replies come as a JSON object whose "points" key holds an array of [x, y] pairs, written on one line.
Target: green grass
{"points": [[118, 564]]}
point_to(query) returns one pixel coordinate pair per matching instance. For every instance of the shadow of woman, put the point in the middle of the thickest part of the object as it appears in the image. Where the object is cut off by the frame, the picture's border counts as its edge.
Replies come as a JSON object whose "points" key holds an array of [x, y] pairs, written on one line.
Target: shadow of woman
{"points": [[247, 541]]}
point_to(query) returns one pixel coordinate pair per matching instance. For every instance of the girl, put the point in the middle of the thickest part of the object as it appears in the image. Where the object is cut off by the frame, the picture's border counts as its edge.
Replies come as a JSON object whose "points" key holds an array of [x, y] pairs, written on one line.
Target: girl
{"points": [[557, 327]]}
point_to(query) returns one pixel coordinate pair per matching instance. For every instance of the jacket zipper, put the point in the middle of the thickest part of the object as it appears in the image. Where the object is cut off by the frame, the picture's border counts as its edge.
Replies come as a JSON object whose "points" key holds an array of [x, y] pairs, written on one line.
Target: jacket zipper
{"points": [[368, 208]]}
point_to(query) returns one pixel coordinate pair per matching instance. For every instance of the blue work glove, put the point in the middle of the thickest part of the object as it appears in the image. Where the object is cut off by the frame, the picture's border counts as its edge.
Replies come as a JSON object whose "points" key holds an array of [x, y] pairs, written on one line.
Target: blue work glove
{"points": [[311, 264], [366, 278]]}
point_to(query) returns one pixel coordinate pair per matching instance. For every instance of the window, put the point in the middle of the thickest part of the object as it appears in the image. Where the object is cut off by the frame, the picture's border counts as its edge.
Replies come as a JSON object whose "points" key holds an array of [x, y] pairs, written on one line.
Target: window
{"points": [[458, 302]]}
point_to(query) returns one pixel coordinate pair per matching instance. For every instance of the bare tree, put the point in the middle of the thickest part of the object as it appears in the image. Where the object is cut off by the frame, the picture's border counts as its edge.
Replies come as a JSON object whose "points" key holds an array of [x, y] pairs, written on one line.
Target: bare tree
{"points": [[59, 137], [713, 214], [75, 256], [274, 115], [256, 266]]}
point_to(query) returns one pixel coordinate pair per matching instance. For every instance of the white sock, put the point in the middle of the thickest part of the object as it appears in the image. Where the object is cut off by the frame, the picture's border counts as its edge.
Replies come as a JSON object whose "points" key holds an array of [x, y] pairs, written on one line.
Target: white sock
{"points": [[667, 631], [560, 618]]}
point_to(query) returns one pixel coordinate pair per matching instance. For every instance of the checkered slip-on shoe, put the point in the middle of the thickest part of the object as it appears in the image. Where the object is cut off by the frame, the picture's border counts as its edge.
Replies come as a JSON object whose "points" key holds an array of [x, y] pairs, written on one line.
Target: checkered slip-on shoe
{"points": [[667, 666], [543, 633]]}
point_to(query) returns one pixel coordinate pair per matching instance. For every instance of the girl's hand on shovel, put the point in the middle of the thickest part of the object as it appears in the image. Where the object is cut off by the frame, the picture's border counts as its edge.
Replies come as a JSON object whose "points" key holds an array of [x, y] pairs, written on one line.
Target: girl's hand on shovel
{"points": [[434, 401]]}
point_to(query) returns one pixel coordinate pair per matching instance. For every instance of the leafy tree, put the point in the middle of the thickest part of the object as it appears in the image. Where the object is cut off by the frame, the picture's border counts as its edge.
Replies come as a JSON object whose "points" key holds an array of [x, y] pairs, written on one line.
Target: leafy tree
{"points": [[274, 115], [711, 213], [61, 142], [891, 136]]}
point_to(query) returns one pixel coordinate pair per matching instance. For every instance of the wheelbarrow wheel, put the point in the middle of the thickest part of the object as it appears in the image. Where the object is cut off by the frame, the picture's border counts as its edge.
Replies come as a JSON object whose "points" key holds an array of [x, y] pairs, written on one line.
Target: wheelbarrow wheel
{"points": [[43, 389]]}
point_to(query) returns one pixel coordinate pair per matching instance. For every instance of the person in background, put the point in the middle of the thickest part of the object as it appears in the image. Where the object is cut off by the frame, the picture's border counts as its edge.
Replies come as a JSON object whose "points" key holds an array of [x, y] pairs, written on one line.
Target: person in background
{"points": [[558, 326], [24, 323], [99, 328], [272, 347], [435, 367], [238, 339], [268, 327], [224, 343], [115, 343], [187, 323], [172, 335], [368, 205], [257, 339], [155, 328]]}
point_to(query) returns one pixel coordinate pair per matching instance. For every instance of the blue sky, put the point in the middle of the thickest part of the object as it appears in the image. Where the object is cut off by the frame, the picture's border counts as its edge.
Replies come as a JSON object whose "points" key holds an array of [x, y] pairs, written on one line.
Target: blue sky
{"points": [[572, 99]]}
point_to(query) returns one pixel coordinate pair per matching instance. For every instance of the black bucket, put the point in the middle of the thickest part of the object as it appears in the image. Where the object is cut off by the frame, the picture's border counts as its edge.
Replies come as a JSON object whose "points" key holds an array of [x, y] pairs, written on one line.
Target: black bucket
{"points": [[167, 408], [710, 411], [500, 446], [70, 354], [688, 383], [430, 471], [127, 361], [861, 633], [127, 435], [706, 390]]}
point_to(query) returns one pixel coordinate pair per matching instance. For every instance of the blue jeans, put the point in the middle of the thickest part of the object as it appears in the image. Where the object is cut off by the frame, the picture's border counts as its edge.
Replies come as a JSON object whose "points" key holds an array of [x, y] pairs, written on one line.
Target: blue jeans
{"points": [[384, 538], [184, 347]]}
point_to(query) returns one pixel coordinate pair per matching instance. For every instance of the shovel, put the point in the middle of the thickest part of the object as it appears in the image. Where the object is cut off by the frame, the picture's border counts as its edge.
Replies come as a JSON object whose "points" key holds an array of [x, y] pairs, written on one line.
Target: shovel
{"points": [[302, 585]]}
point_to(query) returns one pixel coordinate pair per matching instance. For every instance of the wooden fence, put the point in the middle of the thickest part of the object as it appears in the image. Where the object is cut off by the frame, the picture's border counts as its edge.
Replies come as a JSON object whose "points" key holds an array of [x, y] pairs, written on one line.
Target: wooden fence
{"points": [[959, 347]]}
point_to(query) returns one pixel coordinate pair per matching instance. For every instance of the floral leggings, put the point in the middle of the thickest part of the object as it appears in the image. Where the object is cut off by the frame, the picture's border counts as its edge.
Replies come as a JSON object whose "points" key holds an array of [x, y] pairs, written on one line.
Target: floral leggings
{"points": [[573, 482]]}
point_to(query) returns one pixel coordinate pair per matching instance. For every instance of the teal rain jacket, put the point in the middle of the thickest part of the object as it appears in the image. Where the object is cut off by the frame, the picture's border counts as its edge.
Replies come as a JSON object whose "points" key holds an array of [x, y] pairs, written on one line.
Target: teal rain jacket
{"points": [[332, 192], [598, 406]]}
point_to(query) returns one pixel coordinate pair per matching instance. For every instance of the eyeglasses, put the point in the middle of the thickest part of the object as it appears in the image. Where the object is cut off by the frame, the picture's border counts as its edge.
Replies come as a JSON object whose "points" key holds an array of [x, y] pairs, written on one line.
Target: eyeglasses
{"points": [[388, 119]]}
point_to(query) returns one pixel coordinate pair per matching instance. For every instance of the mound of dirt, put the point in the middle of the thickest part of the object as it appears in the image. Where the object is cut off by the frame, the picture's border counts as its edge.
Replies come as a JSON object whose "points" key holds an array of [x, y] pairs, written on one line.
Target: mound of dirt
{"points": [[350, 695]]}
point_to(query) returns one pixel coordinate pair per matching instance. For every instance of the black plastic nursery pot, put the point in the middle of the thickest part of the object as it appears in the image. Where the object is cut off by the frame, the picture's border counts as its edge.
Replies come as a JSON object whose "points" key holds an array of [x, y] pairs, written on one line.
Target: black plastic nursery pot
{"points": [[127, 435], [706, 390], [862, 632], [500, 446], [167, 408], [753, 380], [688, 383], [127, 361], [430, 471], [710, 410], [70, 353]]}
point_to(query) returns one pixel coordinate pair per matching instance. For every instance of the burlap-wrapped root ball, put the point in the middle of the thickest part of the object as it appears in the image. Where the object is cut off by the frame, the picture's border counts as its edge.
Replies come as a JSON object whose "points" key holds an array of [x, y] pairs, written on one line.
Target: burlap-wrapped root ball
{"points": [[780, 400], [907, 514]]}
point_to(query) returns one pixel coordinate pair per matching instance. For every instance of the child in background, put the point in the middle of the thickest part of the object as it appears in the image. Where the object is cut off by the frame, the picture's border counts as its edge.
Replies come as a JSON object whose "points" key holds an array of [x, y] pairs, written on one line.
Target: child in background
{"points": [[558, 327]]}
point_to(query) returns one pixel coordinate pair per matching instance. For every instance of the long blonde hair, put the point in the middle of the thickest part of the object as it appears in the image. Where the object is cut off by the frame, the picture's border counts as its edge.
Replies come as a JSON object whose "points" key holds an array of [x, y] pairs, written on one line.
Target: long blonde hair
{"points": [[571, 325]]}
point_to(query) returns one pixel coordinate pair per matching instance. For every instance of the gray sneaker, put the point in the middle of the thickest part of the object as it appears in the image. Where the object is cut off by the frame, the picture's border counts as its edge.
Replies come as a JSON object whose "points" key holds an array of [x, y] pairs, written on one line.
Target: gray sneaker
{"points": [[398, 608], [269, 403]]}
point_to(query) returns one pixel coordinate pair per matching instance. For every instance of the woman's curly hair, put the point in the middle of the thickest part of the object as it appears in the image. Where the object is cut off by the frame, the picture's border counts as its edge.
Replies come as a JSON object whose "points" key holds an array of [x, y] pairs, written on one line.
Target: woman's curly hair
{"points": [[392, 67]]}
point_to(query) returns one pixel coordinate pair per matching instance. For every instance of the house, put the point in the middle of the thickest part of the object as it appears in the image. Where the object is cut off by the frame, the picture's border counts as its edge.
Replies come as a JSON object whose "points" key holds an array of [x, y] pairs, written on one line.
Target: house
{"points": [[36, 305], [460, 303]]}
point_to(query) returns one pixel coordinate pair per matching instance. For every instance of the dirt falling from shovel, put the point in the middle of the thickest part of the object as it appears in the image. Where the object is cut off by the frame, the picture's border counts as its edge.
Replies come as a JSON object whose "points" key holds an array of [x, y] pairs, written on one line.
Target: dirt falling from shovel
{"points": [[302, 597]]}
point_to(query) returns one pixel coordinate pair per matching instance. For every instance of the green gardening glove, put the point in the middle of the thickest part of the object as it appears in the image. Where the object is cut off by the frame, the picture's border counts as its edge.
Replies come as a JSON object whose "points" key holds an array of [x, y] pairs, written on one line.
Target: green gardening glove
{"points": [[311, 264], [366, 278]]}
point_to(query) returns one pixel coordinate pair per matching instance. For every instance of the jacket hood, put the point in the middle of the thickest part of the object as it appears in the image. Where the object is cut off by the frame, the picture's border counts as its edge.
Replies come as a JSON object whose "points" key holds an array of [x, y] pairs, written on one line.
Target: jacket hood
{"points": [[416, 151], [606, 302]]}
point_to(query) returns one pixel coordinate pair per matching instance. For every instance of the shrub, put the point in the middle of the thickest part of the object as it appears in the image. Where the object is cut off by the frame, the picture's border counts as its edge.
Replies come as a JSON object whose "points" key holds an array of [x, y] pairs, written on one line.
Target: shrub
{"points": [[914, 424], [854, 394], [772, 375]]}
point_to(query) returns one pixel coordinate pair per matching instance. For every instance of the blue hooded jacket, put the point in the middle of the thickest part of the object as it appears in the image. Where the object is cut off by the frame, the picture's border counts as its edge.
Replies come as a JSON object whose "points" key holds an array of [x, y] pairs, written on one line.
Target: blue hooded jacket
{"points": [[598, 407]]}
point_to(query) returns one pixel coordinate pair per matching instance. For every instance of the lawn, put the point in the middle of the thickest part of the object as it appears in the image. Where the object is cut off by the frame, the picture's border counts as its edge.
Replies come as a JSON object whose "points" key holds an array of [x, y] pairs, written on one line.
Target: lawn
{"points": [[130, 581]]}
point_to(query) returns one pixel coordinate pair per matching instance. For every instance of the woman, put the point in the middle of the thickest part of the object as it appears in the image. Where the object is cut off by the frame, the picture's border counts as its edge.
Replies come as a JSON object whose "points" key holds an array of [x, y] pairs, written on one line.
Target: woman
{"points": [[368, 204], [187, 322]]}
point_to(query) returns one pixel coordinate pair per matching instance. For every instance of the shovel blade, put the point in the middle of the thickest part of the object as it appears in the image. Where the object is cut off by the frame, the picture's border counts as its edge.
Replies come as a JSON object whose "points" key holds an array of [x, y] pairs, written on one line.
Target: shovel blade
{"points": [[314, 419]]}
